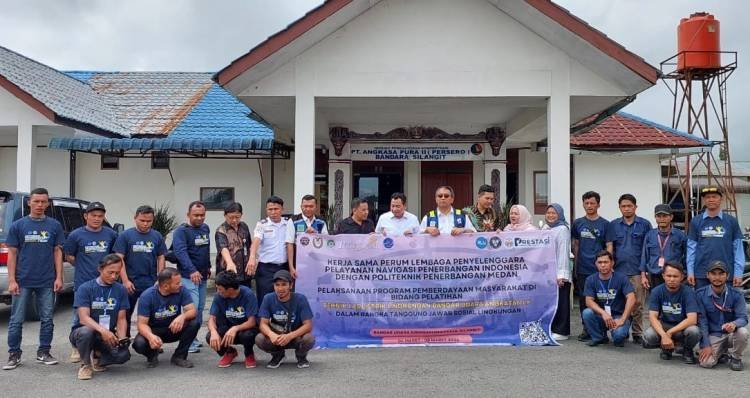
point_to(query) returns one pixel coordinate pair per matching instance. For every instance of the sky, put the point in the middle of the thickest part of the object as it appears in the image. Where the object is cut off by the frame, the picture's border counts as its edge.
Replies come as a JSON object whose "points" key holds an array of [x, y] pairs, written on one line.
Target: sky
{"points": [[202, 35]]}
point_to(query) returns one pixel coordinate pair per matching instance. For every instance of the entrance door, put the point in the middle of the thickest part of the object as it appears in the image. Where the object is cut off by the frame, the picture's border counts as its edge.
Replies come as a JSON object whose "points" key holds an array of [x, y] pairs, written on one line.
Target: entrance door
{"points": [[458, 175], [375, 182]]}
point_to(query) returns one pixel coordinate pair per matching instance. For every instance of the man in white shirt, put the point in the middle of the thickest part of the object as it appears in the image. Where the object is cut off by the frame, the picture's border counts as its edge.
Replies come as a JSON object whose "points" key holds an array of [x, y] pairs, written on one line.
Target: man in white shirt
{"points": [[398, 221], [271, 247], [445, 220]]}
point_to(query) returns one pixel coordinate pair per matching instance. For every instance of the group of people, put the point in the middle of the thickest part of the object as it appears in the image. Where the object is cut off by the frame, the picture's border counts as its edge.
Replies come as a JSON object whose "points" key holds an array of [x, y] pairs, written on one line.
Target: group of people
{"points": [[616, 263]]}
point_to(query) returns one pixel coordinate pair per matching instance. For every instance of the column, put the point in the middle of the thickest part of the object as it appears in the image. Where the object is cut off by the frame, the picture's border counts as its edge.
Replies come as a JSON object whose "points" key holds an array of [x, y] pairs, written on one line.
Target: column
{"points": [[496, 174], [304, 148], [25, 158], [413, 187], [558, 136], [340, 187]]}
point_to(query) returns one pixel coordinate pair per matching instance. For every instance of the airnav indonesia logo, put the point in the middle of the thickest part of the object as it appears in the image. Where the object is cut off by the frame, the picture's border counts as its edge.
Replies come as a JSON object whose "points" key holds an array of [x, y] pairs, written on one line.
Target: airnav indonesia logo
{"points": [[481, 242], [388, 243]]}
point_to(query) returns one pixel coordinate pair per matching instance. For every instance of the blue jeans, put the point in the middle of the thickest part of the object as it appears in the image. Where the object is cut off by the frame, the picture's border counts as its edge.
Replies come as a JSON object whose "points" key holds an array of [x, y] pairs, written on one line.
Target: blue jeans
{"points": [[198, 294], [598, 329], [45, 305]]}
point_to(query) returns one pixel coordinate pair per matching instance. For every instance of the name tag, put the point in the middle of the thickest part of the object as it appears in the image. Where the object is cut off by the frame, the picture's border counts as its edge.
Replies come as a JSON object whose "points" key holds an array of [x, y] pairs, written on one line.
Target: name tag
{"points": [[104, 321], [608, 309], [269, 233]]}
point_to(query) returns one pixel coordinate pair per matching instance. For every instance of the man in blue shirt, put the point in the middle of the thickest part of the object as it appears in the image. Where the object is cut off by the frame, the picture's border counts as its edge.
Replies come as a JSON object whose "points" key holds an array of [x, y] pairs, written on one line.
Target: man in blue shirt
{"points": [[166, 314], [664, 244], [673, 314], [714, 235], [625, 237], [232, 320], [722, 319], [143, 249], [285, 323], [34, 268], [191, 243], [85, 248], [609, 301], [588, 235], [101, 305]]}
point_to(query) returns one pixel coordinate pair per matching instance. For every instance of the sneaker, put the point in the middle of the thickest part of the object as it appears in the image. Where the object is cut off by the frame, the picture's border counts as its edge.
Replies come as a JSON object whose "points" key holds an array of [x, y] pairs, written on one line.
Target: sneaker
{"points": [[14, 359], [227, 358], [275, 361], [250, 361], [46, 358], [584, 336], [181, 362], [75, 356], [153, 361], [736, 364], [559, 337], [85, 372], [665, 355], [594, 343], [689, 359], [193, 349], [638, 340], [724, 358], [95, 364], [302, 363]]}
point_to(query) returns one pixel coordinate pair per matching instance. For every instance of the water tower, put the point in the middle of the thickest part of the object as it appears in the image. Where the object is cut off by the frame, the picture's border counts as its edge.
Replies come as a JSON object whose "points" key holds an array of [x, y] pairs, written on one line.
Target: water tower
{"points": [[697, 78]]}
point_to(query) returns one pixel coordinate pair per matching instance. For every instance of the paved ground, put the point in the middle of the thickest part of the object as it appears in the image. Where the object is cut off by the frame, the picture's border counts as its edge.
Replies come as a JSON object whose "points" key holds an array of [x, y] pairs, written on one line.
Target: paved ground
{"points": [[570, 370]]}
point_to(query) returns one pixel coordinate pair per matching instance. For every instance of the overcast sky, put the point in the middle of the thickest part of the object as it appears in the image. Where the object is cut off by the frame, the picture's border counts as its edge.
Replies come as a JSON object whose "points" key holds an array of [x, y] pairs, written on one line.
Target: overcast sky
{"points": [[183, 35]]}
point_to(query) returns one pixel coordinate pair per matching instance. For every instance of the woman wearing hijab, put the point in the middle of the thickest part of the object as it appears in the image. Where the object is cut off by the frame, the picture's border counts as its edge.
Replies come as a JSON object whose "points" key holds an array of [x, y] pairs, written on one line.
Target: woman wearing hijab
{"points": [[555, 221], [520, 219]]}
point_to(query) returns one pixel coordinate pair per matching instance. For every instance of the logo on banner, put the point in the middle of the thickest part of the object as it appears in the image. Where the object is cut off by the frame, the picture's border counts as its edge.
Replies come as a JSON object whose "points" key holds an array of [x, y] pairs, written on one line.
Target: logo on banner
{"points": [[304, 241], [481, 242], [330, 243], [531, 242], [509, 243], [495, 242], [317, 242], [388, 243]]}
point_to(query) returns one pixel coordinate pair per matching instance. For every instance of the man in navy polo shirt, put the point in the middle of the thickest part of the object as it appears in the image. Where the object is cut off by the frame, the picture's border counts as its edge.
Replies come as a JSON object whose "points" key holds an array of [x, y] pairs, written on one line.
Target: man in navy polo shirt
{"points": [[34, 267], [232, 320], [588, 235], [673, 314], [143, 250], [722, 319], [191, 243], [85, 247], [625, 237], [610, 301], [664, 244], [714, 235], [166, 314]]}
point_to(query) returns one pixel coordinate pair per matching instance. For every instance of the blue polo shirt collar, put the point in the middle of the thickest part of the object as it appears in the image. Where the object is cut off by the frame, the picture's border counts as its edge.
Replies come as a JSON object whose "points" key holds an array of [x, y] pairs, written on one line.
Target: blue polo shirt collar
{"points": [[705, 214]]}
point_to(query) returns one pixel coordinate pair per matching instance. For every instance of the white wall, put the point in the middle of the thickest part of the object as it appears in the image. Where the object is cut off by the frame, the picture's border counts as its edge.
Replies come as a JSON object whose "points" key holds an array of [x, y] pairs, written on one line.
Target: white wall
{"points": [[51, 170], [283, 183], [8, 169], [743, 209]]}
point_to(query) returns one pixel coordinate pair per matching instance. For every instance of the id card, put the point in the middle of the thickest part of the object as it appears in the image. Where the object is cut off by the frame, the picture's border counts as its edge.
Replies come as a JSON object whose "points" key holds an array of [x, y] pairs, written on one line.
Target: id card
{"points": [[104, 321], [608, 310], [661, 262]]}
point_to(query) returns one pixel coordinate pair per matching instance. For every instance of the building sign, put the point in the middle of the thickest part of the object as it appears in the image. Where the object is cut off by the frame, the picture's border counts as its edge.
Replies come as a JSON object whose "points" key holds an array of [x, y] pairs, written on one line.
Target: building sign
{"points": [[415, 152]]}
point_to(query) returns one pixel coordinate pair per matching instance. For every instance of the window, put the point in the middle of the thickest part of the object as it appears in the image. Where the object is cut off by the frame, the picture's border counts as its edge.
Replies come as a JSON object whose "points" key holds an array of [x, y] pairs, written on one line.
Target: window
{"points": [[110, 162], [216, 198], [72, 216], [159, 160], [541, 196]]}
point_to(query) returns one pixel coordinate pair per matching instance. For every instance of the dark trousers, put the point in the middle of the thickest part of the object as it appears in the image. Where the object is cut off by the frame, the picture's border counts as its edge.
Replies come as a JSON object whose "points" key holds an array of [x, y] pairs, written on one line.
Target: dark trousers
{"points": [[561, 321], [87, 340], [579, 283], [246, 338], [301, 345], [264, 278], [132, 299], [185, 337]]}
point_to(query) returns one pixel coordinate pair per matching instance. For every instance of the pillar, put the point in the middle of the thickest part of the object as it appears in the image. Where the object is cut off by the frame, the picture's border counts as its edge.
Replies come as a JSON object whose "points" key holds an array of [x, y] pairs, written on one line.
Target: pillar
{"points": [[25, 158], [558, 135], [304, 148]]}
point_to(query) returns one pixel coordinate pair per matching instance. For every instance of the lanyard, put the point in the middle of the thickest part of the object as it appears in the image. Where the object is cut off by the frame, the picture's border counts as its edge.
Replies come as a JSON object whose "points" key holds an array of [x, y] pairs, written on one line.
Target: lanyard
{"points": [[106, 302], [722, 308], [662, 245], [607, 289]]}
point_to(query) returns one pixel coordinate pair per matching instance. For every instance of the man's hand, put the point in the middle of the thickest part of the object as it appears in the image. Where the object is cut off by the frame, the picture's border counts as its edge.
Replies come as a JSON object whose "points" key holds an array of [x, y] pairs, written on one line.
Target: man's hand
{"points": [[251, 265], [215, 341], [729, 327], [617, 323], [310, 230], [154, 342], [432, 231], [58, 285], [177, 324], [231, 266], [705, 354], [293, 271], [608, 321], [229, 337], [560, 282], [457, 231], [196, 278], [737, 281], [283, 340], [644, 281], [129, 286], [408, 233], [691, 280], [110, 339], [13, 288], [666, 342]]}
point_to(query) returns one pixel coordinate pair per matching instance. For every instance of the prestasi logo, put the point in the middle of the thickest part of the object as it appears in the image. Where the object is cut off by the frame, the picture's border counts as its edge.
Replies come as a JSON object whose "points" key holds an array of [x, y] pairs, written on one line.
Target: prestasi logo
{"points": [[481, 242], [531, 242], [388, 243]]}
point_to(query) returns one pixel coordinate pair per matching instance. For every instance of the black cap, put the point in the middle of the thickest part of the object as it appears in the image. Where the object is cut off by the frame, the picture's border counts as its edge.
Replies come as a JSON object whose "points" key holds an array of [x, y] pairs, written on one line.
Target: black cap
{"points": [[662, 209], [717, 265], [711, 189], [95, 206], [283, 275]]}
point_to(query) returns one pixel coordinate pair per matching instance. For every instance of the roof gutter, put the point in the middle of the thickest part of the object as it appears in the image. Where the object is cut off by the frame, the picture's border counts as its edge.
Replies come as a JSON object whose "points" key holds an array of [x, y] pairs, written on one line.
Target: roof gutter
{"points": [[603, 115]]}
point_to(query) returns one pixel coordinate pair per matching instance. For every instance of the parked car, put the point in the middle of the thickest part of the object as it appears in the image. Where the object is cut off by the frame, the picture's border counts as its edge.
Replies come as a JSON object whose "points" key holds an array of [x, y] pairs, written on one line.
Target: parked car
{"points": [[15, 205]]}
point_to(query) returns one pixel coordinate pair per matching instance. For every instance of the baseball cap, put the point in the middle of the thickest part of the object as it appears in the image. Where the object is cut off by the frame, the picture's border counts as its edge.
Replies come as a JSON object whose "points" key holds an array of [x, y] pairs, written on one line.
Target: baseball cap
{"points": [[717, 265], [710, 189], [283, 275], [95, 206], [662, 209]]}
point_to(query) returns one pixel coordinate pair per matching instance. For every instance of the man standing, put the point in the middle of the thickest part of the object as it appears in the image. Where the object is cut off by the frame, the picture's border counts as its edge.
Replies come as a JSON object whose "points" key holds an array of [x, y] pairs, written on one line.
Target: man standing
{"points": [[101, 305], [588, 238], [34, 267], [271, 248], [625, 237], [192, 247], [232, 320], [398, 221], [664, 244], [445, 220], [610, 301], [358, 222], [143, 249], [722, 319], [483, 215], [673, 314], [166, 314], [85, 248], [233, 244], [714, 235], [307, 221], [285, 323]]}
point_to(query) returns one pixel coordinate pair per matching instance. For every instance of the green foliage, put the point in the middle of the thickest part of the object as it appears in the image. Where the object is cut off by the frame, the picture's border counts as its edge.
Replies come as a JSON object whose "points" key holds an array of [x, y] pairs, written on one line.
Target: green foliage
{"points": [[164, 221]]}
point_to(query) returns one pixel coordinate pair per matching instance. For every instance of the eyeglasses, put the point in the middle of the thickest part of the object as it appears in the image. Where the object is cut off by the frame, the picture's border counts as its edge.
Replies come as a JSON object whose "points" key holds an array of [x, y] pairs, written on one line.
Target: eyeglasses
{"points": [[443, 195]]}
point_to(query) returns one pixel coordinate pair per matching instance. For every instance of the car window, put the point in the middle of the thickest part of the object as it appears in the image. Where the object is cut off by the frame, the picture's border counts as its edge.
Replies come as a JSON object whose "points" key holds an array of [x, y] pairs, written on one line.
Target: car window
{"points": [[70, 215], [6, 215]]}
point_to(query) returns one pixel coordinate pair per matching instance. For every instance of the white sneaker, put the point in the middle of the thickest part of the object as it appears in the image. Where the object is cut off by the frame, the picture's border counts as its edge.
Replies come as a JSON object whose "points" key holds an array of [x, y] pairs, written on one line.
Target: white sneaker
{"points": [[559, 337]]}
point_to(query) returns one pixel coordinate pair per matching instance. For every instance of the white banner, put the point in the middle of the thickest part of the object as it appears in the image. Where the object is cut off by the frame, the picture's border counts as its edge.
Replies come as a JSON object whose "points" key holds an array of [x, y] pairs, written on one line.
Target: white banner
{"points": [[422, 152]]}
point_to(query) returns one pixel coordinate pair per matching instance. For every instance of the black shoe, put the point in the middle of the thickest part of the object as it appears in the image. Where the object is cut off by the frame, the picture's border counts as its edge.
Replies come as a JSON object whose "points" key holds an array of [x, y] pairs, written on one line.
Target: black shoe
{"points": [[665, 355], [46, 358], [181, 362], [638, 340], [153, 361], [724, 358], [584, 336], [736, 364], [689, 359], [302, 363], [620, 343], [275, 361], [14, 359], [594, 343]]}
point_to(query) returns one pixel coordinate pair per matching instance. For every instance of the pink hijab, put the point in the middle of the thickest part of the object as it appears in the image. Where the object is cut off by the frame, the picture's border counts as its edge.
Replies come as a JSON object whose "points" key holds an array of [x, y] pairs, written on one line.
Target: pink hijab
{"points": [[524, 221]]}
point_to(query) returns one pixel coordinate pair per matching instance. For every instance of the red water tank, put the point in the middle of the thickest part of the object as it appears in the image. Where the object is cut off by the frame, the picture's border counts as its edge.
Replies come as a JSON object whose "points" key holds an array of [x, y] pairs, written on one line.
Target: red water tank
{"points": [[698, 42]]}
